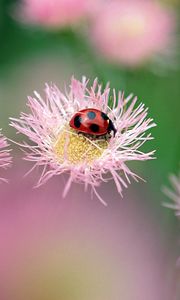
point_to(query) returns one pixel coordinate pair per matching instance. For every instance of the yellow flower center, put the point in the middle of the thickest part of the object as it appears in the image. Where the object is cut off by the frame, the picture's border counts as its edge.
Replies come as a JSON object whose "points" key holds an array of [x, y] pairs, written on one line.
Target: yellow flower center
{"points": [[78, 148]]}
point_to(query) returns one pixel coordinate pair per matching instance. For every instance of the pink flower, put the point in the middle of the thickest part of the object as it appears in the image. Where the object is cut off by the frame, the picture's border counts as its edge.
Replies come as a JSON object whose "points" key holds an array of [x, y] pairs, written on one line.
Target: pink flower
{"points": [[54, 13], [5, 158], [57, 148], [174, 194], [133, 32], [52, 248]]}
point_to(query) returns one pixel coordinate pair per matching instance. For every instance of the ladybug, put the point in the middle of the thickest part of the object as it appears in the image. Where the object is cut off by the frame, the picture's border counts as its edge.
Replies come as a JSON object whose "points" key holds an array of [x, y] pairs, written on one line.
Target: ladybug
{"points": [[92, 121]]}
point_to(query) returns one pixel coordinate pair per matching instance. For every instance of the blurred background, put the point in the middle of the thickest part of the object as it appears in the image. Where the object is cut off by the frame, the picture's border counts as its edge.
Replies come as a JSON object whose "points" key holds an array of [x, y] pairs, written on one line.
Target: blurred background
{"points": [[130, 247]]}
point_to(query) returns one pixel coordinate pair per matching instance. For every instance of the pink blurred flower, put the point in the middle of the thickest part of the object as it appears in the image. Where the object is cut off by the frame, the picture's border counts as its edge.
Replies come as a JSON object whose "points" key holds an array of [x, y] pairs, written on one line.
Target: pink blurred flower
{"points": [[5, 158], [133, 32], [57, 249], [57, 148], [174, 194], [54, 13]]}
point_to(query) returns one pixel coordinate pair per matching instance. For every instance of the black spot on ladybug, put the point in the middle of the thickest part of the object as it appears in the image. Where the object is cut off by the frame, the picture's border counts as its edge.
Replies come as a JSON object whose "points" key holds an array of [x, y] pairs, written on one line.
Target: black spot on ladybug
{"points": [[104, 116], [94, 127], [91, 115], [77, 121]]}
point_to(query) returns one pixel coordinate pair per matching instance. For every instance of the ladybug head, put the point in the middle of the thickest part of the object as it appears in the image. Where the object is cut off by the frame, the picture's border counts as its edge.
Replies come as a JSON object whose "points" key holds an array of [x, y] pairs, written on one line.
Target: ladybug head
{"points": [[111, 127]]}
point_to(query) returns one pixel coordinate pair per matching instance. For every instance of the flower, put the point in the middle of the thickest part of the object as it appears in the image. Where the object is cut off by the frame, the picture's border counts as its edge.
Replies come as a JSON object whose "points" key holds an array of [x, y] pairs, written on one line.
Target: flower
{"points": [[57, 249], [58, 148], [5, 158], [52, 14], [133, 32], [174, 194]]}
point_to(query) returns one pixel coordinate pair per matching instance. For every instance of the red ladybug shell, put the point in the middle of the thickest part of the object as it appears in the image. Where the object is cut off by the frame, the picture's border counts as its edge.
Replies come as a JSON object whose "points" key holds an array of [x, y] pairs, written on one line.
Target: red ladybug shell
{"points": [[92, 121]]}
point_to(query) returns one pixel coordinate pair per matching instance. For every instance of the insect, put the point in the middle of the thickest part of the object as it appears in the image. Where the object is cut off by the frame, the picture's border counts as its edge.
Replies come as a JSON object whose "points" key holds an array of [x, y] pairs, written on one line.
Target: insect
{"points": [[92, 121]]}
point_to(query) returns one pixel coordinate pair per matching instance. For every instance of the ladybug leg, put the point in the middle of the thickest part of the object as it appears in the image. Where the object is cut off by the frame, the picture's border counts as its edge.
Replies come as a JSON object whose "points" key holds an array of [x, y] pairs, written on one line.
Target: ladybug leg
{"points": [[80, 134], [106, 136]]}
